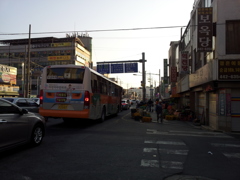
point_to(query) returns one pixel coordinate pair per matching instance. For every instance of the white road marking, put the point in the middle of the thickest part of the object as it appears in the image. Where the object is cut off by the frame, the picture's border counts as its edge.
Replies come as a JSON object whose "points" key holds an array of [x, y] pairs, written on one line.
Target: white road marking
{"points": [[188, 133], [171, 151], [164, 142], [149, 163], [172, 164], [225, 145], [150, 150], [232, 155]]}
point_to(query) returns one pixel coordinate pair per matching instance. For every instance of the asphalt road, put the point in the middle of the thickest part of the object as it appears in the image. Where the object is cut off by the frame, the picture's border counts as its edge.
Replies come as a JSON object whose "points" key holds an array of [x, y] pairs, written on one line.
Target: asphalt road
{"points": [[121, 148]]}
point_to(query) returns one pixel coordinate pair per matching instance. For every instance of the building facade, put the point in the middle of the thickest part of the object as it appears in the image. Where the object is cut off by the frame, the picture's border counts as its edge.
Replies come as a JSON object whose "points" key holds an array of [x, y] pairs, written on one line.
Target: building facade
{"points": [[43, 52], [209, 64]]}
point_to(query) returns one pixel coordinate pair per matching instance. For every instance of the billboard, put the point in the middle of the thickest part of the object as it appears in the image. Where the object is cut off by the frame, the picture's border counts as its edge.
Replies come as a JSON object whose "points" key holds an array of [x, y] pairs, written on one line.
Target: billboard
{"points": [[8, 74]]}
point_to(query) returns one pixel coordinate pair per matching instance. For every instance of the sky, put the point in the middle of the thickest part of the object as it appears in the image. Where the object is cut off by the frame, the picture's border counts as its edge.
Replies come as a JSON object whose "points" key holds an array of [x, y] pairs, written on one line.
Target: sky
{"points": [[110, 23]]}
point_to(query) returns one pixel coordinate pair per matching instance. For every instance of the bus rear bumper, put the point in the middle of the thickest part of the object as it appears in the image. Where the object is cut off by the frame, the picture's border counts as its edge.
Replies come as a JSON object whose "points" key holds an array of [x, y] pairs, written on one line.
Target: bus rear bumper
{"points": [[64, 113]]}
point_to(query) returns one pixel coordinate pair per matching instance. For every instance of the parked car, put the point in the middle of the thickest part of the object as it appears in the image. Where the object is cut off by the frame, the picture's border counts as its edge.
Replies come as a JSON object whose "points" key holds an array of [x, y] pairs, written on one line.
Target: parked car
{"points": [[25, 103], [18, 126], [125, 104]]}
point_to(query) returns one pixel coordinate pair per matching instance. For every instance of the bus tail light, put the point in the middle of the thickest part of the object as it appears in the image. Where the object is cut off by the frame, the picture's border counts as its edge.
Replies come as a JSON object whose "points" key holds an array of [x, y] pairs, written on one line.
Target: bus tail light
{"points": [[41, 96], [86, 100]]}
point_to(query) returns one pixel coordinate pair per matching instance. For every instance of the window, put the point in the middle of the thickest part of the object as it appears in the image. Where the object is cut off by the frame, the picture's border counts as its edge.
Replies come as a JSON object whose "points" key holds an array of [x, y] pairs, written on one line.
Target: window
{"points": [[65, 75], [233, 37], [6, 108]]}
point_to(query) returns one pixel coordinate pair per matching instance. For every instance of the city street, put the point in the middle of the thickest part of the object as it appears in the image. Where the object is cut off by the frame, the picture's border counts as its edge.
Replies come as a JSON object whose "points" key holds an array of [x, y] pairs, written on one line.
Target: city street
{"points": [[122, 148]]}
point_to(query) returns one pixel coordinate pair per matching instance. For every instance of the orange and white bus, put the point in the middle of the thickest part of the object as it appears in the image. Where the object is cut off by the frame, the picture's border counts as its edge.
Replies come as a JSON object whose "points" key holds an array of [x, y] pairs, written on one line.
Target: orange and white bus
{"points": [[73, 91]]}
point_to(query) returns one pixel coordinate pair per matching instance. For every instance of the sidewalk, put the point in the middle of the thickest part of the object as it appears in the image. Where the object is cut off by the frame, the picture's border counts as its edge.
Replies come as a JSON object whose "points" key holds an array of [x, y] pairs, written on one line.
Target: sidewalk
{"points": [[196, 125]]}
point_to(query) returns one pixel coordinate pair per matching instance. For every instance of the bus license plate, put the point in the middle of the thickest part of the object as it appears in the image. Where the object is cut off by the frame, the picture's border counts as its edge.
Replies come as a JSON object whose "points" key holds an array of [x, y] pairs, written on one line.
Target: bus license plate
{"points": [[62, 106]]}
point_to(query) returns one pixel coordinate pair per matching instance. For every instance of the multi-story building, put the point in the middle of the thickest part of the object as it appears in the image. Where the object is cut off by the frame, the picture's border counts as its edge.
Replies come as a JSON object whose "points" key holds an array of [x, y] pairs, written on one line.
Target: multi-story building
{"points": [[43, 52], [209, 64]]}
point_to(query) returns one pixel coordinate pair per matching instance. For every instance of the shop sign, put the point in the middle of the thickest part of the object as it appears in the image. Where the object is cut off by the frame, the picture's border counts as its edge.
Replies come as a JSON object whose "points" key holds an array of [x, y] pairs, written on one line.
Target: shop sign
{"points": [[229, 70], [173, 74], [165, 71], [204, 30], [58, 58], [184, 63]]}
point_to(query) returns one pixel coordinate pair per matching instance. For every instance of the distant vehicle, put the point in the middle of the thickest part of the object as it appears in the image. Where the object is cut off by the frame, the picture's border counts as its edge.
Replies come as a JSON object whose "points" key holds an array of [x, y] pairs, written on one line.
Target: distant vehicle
{"points": [[125, 104], [18, 126], [78, 92], [25, 103]]}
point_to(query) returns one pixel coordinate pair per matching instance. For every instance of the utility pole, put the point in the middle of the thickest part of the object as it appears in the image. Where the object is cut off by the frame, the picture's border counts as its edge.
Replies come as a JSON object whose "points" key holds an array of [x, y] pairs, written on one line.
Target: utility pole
{"points": [[159, 91], [28, 89], [143, 77]]}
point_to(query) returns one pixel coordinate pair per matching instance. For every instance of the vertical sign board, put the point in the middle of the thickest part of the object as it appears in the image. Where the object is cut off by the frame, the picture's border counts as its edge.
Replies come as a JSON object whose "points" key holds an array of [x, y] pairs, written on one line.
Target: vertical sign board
{"points": [[173, 74], [222, 104], [117, 68], [184, 62], [103, 69], [165, 72], [131, 67], [204, 30]]}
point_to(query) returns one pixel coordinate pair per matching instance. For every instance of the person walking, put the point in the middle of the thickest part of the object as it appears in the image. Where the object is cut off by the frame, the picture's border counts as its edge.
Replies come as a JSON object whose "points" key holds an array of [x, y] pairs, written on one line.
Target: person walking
{"points": [[150, 104], [158, 110]]}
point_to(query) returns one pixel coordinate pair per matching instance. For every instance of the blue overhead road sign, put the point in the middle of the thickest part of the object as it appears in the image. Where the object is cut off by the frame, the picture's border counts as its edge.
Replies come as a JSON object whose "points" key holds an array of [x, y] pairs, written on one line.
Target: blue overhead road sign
{"points": [[131, 67], [103, 69], [117, 68]]}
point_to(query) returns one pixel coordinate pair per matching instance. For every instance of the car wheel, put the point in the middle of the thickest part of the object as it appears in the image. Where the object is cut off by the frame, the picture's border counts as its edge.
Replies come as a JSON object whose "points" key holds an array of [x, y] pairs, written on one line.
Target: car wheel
{"points": [[37, 135]]}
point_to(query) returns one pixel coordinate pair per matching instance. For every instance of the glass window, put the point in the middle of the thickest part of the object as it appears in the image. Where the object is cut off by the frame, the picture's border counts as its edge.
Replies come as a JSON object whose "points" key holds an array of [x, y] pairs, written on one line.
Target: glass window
{"points": [[6, 108], [65, 75], [233, 37]]}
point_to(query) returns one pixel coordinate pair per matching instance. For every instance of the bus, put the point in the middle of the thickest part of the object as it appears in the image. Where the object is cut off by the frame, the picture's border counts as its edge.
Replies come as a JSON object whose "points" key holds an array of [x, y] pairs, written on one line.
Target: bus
{"points": [[77, 92]]}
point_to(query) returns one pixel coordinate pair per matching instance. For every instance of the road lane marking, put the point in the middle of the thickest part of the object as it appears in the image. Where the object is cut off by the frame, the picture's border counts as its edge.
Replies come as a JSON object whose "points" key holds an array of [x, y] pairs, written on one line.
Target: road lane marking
{"points": [[172, 165], [232, 155], [171, 151], [188, 133], [149, 163], [225, 145], [164, 142], [150, 150]]}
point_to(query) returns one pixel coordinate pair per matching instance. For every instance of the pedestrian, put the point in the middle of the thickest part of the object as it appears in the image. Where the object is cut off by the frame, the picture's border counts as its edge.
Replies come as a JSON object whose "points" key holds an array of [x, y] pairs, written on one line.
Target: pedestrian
{"points": [[150, 104], [159, 111]]}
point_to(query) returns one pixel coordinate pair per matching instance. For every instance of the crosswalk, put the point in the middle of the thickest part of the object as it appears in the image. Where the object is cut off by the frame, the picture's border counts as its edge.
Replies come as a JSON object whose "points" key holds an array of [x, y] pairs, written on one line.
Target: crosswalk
{"points": [[171, 154], [167, 154]]}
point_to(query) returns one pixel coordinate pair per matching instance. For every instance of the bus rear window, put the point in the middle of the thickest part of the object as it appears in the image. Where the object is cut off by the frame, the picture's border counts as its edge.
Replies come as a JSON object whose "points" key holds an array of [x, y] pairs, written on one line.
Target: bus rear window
{"points": [[65, 75]]}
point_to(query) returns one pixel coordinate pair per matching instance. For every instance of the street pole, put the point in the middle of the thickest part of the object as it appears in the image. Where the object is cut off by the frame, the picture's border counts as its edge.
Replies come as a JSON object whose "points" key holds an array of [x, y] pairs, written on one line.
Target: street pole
{"points": [[28, 64], [159, 82], [143, 77]]}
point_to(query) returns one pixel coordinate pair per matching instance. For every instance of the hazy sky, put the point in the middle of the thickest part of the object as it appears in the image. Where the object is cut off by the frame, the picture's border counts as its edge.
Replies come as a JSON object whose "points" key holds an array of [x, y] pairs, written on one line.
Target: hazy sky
{"points": [[50, 16]]}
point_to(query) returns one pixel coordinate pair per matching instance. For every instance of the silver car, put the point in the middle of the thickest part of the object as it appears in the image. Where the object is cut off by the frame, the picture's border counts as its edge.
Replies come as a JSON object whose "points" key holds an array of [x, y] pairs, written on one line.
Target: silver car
{"points": [[18, 126]]}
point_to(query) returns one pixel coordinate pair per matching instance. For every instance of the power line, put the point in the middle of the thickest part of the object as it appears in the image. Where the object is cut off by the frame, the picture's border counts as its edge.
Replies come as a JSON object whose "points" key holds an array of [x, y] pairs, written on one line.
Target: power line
{"points": [[102, 30]]}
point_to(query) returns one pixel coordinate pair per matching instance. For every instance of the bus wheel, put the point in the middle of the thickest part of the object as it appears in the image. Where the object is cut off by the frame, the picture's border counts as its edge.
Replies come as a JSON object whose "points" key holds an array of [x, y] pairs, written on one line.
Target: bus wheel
{"points": [[103, 115]]}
